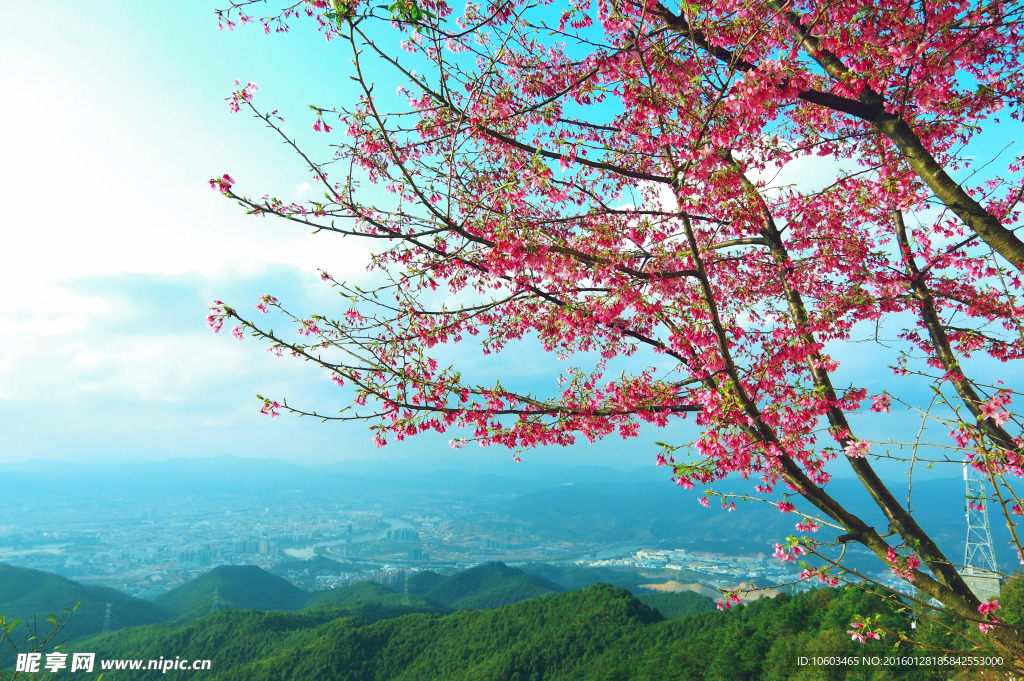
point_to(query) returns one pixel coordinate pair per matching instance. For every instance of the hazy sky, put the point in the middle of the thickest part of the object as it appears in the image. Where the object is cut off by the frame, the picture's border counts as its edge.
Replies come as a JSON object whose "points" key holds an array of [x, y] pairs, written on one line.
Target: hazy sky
{"points": [[114, 245]]}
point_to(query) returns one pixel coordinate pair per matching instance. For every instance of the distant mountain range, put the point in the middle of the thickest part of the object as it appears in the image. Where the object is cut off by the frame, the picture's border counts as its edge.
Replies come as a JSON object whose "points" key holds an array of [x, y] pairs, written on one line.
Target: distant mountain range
{"points": [[221, 475], [651, 512]]}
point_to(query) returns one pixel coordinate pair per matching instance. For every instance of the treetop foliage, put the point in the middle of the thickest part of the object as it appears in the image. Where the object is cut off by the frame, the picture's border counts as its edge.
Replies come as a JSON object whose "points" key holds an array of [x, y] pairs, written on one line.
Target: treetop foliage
{"points": [[599, 632], [707, 202]]}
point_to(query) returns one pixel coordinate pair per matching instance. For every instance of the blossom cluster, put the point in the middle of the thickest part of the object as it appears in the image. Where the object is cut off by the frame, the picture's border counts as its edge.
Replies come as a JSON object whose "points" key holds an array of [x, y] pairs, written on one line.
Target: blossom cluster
{"points": [[903, 565], [728, 600], [243, 95], [861, 632], [611, 194], [986, 609]]}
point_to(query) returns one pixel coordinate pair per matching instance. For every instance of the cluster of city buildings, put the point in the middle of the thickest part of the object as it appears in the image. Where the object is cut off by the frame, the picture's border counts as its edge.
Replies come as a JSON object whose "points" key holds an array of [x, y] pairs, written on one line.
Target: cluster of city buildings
{"points": [[144, 551], [708, 567]]}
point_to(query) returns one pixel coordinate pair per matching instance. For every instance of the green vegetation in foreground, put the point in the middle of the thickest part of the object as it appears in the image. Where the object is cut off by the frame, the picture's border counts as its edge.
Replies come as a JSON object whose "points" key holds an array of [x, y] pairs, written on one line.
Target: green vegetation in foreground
{"points": [[601, 632], [364, 633]]}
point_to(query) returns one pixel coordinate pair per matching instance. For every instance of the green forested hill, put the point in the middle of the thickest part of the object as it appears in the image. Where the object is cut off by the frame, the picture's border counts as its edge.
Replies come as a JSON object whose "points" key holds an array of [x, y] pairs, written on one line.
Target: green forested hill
{"points": [[237, 587], [373, 602], [598, 633], [572, 577], [676, 605], [230, 636], [423, 582], [491, 585], [25, 593], [362, 592], [364, 633]]}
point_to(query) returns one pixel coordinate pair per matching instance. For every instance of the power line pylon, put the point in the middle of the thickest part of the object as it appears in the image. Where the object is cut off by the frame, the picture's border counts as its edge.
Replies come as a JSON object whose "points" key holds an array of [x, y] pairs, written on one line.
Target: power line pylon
{"points": [[980, 570], [216, 600], [106, 621]]}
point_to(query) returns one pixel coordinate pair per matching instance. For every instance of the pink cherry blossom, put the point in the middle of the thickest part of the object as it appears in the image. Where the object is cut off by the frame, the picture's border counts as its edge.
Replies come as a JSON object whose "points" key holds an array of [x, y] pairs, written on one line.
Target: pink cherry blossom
{"points": [[728, 600], [782, 554], [861, 633], [903, 566], [618, 193], [993, 409], [857, 449], [265, 300], [222, 184], [881, 403], [241, 96], [985, 628]]}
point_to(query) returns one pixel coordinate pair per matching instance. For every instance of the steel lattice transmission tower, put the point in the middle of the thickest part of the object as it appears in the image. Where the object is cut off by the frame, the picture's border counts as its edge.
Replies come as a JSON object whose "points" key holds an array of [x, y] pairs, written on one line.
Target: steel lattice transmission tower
{"points": [[405, 597], [980, 570], [106, 621], [216, 606]]}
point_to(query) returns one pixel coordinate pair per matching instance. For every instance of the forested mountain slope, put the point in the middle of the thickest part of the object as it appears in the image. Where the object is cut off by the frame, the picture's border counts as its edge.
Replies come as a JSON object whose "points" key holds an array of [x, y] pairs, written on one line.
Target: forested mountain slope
{"points": [[491, 585], [235, 586], [598, 633], [26, 593]]}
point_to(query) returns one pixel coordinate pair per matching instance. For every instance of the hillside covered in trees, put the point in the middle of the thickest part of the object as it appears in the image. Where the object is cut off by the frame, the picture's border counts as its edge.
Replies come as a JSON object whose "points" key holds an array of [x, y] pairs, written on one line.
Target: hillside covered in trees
{"points": [[601, 632], [26, 594], [443, 629]]}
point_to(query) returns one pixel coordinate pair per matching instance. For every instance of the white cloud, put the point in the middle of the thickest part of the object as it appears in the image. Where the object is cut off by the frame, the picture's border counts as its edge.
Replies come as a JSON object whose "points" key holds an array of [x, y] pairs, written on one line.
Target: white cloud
{"points": [[43, 366], [68, 217]]}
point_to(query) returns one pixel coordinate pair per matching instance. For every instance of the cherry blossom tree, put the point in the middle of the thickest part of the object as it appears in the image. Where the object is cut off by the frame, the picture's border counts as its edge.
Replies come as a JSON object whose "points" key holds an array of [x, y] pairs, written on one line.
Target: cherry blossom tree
{"points": [[608, 179]]}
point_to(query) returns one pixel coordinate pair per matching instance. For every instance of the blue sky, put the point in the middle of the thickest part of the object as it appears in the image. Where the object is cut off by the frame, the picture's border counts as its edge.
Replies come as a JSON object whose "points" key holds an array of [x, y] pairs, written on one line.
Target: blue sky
{"points": [[114, 245]]}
